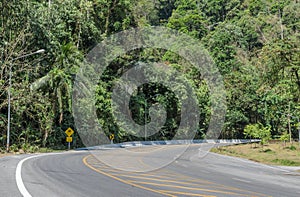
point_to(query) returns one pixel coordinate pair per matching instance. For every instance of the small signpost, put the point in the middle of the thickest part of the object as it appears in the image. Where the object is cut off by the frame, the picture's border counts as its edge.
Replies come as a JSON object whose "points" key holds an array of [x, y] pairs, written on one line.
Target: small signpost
{"points": [[111, 137], [69, 139]]}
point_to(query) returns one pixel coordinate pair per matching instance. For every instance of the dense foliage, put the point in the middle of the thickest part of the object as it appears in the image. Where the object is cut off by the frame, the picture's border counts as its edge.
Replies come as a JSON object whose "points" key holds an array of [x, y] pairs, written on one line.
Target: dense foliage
{"points": [[254, 43]]}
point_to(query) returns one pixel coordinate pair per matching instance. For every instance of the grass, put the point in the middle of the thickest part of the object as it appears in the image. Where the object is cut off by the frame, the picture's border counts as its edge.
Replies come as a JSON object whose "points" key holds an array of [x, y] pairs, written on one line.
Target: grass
{"points": [[272, 154], [3, 153]]}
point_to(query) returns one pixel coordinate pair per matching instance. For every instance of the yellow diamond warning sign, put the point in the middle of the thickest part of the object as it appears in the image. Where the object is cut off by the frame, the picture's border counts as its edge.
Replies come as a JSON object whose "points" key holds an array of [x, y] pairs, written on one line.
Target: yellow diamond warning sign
{"points": [[69, 132], [111, 136]]}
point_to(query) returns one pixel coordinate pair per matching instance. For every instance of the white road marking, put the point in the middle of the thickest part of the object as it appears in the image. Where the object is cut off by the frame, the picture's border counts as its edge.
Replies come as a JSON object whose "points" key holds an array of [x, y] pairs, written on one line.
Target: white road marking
{"points": [[19, 180]]}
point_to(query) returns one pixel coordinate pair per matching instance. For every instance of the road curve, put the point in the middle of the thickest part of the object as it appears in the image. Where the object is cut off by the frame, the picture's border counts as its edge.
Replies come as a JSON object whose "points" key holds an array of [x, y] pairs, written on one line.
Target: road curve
{"points": [[119, 172], [66, 175]]}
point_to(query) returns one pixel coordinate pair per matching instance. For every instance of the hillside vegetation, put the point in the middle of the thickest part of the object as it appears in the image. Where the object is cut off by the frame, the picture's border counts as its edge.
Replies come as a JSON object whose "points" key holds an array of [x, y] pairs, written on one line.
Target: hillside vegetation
{"points": [[255, 45]]}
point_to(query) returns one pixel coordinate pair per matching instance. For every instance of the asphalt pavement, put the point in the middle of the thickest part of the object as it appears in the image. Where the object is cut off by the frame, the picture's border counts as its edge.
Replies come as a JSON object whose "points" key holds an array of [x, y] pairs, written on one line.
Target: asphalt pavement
{"points": [[168, 170], [8, 186]]}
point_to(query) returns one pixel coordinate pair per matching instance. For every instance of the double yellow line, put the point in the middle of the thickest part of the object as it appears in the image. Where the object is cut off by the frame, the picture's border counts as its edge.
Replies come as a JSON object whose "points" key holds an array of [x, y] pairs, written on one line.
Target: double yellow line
{"points": [[121, 180], [158, 179]]}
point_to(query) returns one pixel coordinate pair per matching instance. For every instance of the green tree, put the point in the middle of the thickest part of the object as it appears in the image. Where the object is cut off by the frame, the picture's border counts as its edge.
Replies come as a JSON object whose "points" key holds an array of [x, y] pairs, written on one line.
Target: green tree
{"points": [[258, 131]]}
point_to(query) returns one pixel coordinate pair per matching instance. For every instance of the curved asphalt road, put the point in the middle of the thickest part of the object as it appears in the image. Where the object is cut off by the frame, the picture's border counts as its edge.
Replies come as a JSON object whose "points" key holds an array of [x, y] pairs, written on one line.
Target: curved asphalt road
{"points": [[145, 171]]}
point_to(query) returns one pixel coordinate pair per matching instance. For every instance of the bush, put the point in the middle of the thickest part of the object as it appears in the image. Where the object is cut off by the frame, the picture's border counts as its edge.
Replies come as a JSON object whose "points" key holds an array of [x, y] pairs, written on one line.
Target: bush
{"points": [[25, 147], [258, 131], [268, 151], [2, 150], [33, 149], [286, 162], [292, 148], [14, 148], [284, 137]]}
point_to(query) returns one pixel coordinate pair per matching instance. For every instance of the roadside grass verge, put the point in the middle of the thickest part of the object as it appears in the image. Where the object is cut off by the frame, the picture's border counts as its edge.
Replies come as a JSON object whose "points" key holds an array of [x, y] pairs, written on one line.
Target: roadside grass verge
{"points": [[3, 153], [272, 154]]}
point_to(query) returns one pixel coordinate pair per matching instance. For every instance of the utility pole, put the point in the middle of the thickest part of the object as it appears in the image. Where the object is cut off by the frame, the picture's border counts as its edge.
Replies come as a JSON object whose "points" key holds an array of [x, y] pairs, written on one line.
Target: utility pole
{"points": [[8, 111], [298, 130], [145, 118], [289, 120], [9, 94]]}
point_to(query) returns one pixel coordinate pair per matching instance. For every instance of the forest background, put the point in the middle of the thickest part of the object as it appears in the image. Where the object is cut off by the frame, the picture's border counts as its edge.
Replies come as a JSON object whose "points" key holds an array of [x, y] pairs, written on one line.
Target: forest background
{"points": [[255, 45]]}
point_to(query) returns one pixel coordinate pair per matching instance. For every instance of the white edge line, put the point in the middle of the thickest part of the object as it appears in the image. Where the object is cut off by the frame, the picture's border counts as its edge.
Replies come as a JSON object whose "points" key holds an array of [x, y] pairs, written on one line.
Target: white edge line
{"points": [[19, 179]]}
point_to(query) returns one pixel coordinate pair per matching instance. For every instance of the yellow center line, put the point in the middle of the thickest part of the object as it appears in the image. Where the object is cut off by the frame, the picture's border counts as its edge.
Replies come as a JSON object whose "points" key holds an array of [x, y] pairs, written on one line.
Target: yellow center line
{"points": [[142, 175], [202, 181], [188, 188], [167, 174], [187, 182], [159, 180], [216, 185], [115, 171], [121, 180], [148, 176], [107, 168], [186, 193], [169, 181]]}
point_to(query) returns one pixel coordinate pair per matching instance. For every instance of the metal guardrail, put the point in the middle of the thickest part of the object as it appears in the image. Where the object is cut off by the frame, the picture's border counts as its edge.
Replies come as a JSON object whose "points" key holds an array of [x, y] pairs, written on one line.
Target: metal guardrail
{"points": [[168, 142]]}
